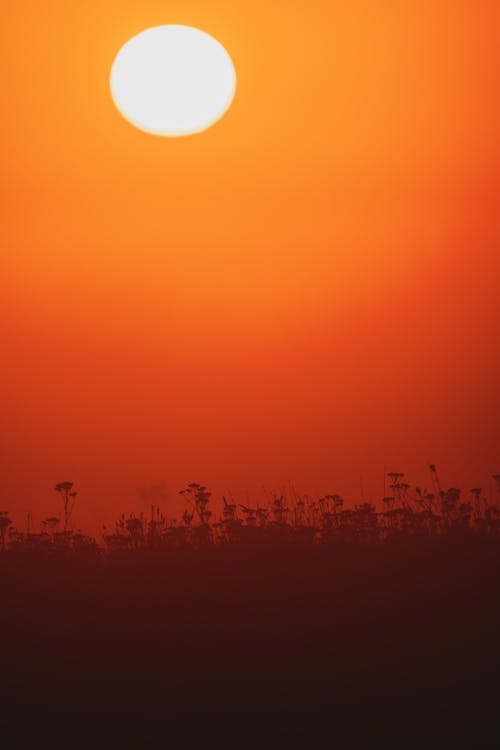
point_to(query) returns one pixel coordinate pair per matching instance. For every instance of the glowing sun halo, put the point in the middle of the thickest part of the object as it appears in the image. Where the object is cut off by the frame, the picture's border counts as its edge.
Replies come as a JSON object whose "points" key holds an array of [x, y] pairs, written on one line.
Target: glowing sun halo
{"points": [[172, 80]]}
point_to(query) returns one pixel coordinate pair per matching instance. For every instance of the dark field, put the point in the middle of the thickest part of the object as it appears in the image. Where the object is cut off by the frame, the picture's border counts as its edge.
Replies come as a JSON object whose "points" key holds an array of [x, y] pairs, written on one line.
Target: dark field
{"points": [[268, 638]]}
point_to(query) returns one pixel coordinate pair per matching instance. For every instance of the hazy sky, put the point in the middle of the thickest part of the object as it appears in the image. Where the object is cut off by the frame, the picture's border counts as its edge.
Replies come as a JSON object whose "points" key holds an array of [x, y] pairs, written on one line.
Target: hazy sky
{"points": [[308, 291]]}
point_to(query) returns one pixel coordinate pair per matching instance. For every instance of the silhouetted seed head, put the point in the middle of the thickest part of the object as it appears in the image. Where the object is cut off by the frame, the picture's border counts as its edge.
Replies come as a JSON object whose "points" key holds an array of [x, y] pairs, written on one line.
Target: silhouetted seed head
{"points": [[64, 486]]}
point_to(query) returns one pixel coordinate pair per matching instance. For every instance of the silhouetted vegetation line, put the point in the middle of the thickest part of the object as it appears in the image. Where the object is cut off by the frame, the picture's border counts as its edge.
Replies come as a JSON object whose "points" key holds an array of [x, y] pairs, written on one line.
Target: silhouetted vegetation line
{"points": [[294, 520], [299, 619]]}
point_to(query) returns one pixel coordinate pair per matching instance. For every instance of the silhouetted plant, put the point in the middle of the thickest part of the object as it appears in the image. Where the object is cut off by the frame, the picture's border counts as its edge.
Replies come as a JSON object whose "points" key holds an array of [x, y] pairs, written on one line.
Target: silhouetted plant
{"points": [[408, 511], [69, 499], [5, 524]]}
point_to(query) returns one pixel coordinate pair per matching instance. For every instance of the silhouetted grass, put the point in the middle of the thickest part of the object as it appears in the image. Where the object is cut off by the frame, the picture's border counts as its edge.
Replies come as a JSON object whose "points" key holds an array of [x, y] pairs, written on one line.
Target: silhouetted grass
{"points": [[304, 623], [408, 512]]}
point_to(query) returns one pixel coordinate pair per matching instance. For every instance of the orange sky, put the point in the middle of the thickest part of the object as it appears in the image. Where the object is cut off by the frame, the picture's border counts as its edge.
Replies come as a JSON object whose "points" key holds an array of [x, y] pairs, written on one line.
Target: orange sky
{"points": [[306, 292]]}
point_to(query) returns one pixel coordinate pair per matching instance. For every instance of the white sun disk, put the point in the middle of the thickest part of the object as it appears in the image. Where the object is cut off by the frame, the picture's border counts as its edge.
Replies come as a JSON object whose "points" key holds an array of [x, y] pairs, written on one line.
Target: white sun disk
{"points": [[172, 80]]}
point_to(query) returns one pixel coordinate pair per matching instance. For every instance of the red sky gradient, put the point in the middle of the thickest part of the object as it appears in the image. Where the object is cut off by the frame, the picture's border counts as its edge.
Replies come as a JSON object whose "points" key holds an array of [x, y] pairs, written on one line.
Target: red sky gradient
{"points": [[308, 291]]}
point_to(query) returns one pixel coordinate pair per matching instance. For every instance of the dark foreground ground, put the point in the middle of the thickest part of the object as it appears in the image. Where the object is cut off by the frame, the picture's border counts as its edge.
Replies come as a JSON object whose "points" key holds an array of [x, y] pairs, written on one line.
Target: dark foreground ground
{"points": [[239, 646]]}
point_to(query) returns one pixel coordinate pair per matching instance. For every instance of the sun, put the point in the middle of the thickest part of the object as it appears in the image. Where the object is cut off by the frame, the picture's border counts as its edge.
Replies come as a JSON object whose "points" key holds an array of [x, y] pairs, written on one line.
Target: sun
{"points": [[173, 80]]}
